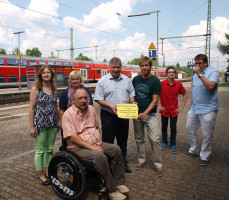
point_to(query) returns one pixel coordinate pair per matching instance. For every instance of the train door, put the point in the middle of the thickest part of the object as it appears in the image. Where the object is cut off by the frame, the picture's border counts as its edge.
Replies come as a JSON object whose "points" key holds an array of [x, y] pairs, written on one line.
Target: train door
{"points": [[104, 72], [84, 74]]}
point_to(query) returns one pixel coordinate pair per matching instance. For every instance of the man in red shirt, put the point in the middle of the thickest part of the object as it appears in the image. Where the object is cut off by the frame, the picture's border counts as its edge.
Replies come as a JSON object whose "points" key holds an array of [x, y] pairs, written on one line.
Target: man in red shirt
{"points": [[169, 106]]}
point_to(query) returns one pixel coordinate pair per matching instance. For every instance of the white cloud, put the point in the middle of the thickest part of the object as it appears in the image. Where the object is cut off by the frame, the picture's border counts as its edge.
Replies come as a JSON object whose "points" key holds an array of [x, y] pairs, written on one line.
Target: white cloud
{"points": [[220, 26], [48, 7]]}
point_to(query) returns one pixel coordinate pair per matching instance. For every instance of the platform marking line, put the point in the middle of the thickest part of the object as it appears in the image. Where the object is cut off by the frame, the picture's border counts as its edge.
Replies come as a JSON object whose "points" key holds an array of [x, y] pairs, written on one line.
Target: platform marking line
{"points": [[22, 154], [9, 116]]}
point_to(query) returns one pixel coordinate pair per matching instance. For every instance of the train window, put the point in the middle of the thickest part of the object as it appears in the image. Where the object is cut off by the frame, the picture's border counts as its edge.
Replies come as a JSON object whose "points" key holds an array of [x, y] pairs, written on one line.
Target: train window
{"points": [[50, 62], [23, 78], [58, 63], [32, 62], [12, 61], [98, 71], [23, 62], [12, 79], [2, 79], [1, 62], [66, 64], [41, 62]]}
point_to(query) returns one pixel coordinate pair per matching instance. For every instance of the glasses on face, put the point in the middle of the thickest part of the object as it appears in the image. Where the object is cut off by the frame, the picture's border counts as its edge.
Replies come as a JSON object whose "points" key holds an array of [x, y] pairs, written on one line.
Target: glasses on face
{"points": [[199, 63], [171, 72]]}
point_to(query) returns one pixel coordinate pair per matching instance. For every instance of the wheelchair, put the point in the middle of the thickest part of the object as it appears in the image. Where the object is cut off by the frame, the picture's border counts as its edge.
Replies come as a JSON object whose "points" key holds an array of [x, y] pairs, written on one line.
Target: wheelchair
{"points": [[68, 174]]}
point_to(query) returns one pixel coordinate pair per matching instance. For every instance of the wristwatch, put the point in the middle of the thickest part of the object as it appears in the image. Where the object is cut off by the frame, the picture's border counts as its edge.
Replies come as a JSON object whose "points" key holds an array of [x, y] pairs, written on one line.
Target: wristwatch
{"points": [[201, 75]]}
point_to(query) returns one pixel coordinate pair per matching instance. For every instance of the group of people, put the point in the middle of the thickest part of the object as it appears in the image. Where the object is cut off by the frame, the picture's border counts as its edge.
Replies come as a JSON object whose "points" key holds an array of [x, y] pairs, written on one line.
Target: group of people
{"points": [[81, 125]]}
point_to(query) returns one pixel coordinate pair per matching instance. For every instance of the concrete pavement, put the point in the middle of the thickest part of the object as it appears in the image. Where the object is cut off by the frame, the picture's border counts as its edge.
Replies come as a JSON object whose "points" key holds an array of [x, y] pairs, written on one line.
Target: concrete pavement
{"points": [[183, 178]]}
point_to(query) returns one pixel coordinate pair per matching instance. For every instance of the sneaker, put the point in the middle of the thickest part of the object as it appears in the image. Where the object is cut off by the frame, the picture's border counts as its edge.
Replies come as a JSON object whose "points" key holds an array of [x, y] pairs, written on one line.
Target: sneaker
{"points": [[204, 162], [116, 196], [163, 146], [123, 189], [173, 149], [140, 165], [188, 154], [160, 172]]}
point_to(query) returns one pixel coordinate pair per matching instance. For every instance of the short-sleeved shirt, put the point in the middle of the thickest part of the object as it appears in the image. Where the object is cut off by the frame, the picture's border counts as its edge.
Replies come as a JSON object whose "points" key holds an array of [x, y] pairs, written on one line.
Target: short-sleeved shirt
{"points": [[169, 97], [63, 101], [145, 89], [85, 126], [114, 91], [204, 100]]}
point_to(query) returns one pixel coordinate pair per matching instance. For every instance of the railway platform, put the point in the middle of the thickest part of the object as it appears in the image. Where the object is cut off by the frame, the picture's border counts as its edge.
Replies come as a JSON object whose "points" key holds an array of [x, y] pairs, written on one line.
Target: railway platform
{"points": [[14, 95], [183, 179]]}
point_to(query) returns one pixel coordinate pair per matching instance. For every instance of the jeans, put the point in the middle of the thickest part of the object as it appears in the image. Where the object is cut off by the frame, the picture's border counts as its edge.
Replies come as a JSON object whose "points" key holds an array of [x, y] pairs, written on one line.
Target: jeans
{"points": [[173, 129], [150, 123]]}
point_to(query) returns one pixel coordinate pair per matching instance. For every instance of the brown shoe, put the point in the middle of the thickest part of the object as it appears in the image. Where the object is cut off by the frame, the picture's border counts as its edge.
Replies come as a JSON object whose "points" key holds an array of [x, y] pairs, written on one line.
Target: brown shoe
{"points": [[140, 165], [123, 189], [116, 196], [160, 172]]}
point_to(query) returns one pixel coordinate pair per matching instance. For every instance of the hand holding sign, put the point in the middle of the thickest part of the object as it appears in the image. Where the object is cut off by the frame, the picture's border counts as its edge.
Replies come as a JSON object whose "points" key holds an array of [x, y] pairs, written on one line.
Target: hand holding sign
{"points": [[127, 111]]}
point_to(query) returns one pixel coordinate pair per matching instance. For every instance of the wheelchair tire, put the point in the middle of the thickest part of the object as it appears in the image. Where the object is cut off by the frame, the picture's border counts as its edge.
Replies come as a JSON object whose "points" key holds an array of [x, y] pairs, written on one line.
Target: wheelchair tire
{"points": [[66, 175]]}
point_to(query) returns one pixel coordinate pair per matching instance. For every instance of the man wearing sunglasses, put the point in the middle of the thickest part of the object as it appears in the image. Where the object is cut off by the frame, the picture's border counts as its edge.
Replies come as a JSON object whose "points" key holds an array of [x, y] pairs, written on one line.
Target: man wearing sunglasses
{"points": [[204, 108], [169, 108]]}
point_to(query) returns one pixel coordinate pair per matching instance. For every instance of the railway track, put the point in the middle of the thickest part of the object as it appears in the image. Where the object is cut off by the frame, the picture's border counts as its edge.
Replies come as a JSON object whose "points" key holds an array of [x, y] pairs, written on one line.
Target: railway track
{"points": [[14, 101]]}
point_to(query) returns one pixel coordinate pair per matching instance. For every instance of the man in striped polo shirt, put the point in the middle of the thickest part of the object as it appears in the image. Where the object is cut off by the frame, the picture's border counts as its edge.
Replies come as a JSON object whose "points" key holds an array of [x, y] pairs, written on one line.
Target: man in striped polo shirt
{"points": [[82, 133]]}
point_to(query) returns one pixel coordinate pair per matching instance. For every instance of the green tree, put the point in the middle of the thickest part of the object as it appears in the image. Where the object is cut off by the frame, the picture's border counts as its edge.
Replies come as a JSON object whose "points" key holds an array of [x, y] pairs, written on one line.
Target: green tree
{"points": [[134, 61], [105, 60], [2, 51], [178, 67], [83, 57], [53, 55], [15, 51], [224, 48], [35, 52]]}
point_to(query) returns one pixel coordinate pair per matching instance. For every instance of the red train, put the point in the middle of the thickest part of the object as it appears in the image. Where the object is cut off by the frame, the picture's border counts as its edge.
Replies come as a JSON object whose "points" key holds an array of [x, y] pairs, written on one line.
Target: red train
{"points": [[90, 70]]}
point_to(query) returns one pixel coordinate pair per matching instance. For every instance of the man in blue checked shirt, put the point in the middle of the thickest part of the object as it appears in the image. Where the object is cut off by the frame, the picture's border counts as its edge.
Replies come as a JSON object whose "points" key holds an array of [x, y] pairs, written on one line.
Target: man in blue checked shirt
{"points": [[112, 89], [204, 109]]}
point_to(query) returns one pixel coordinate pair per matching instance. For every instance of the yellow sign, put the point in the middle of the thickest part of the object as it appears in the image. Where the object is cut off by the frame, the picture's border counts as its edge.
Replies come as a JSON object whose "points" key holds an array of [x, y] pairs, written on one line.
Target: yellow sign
{"points": [[127, 111], [18, 57], [151, 46]]}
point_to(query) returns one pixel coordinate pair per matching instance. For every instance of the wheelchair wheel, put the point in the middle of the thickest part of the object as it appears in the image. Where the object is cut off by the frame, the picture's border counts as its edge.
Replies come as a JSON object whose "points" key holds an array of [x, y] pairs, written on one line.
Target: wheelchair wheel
{"points": [[66, 175]]}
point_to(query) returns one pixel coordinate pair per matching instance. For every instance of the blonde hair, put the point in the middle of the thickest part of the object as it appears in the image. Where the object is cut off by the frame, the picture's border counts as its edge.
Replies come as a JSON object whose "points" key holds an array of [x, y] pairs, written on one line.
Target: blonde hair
{"points": [[38, 83], [75, 73]]}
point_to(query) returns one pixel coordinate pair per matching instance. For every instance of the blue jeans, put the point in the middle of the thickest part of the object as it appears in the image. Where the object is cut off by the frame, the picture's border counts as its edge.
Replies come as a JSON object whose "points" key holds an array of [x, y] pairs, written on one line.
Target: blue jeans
{"points": [[173, 129]]}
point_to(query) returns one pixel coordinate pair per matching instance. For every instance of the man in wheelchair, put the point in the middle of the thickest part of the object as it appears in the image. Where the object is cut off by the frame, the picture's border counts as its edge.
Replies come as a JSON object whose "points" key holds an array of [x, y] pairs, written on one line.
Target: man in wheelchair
{"points": [[83, 136]]}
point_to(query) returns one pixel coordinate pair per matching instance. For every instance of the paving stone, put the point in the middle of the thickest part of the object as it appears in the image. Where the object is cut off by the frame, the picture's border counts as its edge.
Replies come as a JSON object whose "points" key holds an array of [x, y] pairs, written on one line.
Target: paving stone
{"points": [[183, 178]]}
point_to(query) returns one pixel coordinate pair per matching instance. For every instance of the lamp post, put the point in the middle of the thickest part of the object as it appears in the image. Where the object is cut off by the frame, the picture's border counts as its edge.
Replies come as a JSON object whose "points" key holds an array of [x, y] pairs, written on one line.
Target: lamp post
{"points": [[191, 65], [149, 13], [19, 56]]}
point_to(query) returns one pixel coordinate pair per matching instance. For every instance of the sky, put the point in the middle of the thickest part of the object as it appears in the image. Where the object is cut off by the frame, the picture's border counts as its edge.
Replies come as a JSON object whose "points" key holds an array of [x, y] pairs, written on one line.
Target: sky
{"points": [[105, 24]]}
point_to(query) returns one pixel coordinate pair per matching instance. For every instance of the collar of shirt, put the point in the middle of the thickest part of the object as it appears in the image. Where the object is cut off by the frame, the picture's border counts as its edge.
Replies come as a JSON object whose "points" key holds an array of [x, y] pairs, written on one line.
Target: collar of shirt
{"points": [[111, 77], [167, 82], [79, 112], [206, 70]]}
